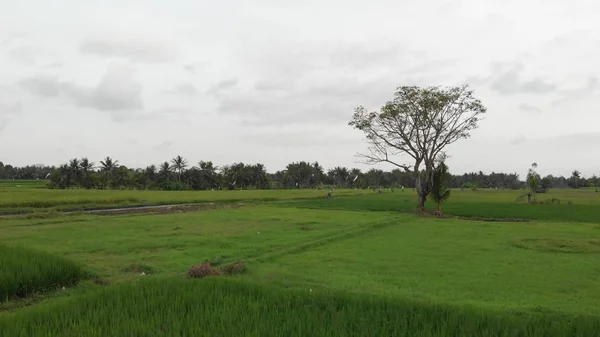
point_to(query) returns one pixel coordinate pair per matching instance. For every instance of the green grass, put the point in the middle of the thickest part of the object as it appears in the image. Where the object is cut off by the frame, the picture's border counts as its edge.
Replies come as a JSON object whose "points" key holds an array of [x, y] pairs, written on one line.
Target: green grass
{"points": [[31, 199], [347, 266], [213, 306], [172, 243], [24, 272], [584, 206], [21, 184]]}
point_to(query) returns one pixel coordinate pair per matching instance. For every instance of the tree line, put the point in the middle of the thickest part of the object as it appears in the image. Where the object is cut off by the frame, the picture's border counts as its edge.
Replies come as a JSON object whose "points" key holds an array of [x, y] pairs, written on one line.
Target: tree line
{"points": [[178, 174]]}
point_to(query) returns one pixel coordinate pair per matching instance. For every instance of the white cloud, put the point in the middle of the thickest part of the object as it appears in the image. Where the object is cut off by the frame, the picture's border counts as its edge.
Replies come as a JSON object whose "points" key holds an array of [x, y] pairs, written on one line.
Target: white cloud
{"points": [[257, 78], [146, 49], [116, 92]]}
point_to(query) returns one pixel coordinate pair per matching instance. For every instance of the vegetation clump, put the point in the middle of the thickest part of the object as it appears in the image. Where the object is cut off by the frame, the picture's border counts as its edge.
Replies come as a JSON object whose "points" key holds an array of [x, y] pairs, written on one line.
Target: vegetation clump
{"points": [[203, 270], [24, 271], [234, 269]]}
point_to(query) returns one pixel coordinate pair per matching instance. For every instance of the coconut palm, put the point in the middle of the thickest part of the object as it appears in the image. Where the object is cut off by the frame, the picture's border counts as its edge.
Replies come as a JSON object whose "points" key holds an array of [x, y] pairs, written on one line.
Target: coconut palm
{"points": [[74, 168], [85, 165], [86, 168], [179, 164], [209, 174], [108, 166], [439, 189], [165, 169]]}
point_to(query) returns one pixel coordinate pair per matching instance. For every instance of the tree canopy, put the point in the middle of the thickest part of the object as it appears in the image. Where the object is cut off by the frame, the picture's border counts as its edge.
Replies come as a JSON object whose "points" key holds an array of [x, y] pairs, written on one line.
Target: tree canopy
{"points": [[418, 123]]}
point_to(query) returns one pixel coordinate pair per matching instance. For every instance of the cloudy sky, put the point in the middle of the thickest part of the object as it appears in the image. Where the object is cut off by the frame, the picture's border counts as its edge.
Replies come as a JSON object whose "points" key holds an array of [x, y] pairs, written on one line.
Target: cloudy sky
{"points": [[276, 81]]}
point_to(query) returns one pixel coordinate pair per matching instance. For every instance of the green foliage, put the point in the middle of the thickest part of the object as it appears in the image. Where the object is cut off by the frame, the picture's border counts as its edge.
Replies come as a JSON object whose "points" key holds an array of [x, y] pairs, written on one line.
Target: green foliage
{"points": [[533, 179], [469, 186], [439, 188], [24, 271], [576, 180]]}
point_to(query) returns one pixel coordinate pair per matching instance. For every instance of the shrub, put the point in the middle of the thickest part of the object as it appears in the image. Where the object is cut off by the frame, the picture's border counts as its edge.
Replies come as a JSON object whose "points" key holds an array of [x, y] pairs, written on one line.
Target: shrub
{"points": [[202, 270], [234, 269], [24, 271]]}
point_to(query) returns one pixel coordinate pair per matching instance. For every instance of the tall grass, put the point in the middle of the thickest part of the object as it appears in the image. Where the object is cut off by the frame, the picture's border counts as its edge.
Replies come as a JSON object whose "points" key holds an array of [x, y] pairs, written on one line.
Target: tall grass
{"points": [[24, 271], [220, 307]]}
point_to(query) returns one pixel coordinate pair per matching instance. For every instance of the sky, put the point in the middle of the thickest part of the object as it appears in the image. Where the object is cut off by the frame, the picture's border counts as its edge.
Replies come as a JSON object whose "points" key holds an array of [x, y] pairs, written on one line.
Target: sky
{"points": [[276, 81]]}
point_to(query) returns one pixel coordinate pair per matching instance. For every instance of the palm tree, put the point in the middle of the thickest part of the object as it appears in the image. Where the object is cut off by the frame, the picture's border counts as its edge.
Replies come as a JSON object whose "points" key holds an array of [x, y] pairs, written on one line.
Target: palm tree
{"points": [[259, 175], [86, 167], [165, 169], [317, 173], [108, 165], [74, 168], [209, 173], [65, 173], [439, 189], [179, 164]]}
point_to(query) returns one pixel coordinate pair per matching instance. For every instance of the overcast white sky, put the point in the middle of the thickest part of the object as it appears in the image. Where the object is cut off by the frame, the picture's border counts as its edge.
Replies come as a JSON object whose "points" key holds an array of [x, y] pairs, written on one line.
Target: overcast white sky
{"points": [[277, 81]]}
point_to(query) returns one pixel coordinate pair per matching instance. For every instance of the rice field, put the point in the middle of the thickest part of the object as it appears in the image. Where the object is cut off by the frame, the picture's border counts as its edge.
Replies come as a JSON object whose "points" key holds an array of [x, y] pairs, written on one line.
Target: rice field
{"points": [[361, 264], [25, 271]]}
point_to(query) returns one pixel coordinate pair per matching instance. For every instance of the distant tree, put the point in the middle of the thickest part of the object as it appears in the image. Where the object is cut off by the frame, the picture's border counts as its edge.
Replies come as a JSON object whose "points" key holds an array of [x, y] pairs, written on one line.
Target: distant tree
{"points": [[259, 176], [533, 181], [179, 164], [86, 168], [165, 169], [209, 174], [354, 179], [576, 181], [418, 123], [546, 182], [439, 187], [75, 171], [318, 174], [108, 166], [594, 181]]}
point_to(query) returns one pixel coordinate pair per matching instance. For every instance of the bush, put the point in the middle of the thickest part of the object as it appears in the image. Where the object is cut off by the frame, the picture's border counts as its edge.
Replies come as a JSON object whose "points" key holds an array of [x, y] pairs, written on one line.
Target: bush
{"points": [[203, 270], [234, 269], [24, 271]]}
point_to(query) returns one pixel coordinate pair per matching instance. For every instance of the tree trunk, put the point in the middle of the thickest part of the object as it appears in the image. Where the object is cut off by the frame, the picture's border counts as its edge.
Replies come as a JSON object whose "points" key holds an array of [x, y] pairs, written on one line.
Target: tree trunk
{"points": [[421, 202], [422, 187]]}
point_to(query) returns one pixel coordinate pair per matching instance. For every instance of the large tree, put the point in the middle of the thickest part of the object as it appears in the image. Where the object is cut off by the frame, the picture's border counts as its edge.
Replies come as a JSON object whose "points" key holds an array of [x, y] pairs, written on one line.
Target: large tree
{"points": [[418, 124]]}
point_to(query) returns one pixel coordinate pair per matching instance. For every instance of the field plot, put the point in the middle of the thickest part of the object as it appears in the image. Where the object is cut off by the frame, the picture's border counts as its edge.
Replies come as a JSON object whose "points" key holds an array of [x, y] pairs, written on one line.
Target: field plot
{"points": [[24, 199], [355, 265]]}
